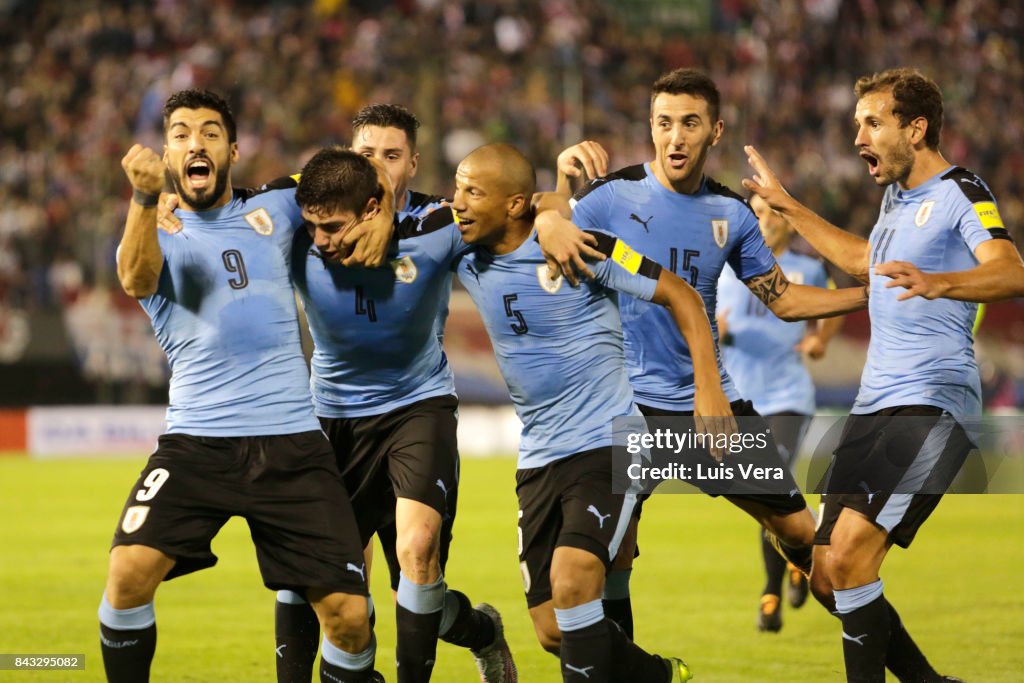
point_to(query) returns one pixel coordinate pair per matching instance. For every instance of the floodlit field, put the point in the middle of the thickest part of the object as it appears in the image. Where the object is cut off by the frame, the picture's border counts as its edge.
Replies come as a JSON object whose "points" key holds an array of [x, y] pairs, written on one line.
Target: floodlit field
{"points": [[960, 590]]}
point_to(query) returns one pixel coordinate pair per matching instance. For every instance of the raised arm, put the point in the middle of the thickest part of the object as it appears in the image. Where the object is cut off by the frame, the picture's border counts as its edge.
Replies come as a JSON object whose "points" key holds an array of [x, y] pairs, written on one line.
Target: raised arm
{"points": [[849, 253], [999, 275], [139, 258], [801, 302]]}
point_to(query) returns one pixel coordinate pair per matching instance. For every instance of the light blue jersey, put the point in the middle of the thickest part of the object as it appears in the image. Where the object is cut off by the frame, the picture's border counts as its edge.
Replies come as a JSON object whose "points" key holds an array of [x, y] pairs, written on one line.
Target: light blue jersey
{"points": [[694, 236], [378, 332], [762, 359], [922, 352], [559, 348], [225, 315]]}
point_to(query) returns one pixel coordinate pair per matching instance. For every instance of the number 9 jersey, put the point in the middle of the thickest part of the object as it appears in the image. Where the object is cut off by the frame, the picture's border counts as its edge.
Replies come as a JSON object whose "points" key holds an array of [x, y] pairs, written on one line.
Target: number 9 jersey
{"points": [[225, 315]]}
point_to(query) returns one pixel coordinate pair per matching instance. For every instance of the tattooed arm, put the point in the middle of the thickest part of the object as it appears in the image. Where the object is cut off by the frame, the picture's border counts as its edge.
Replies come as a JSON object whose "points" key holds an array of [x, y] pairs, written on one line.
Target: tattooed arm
{"points": [[800, 302]]}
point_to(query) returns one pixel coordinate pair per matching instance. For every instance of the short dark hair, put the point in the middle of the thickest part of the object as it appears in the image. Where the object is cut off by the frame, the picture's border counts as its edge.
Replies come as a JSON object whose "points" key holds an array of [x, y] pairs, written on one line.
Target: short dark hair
{"points": [[195, 98], [689, 82], [337, 179], [915, 95], [388, 116]]}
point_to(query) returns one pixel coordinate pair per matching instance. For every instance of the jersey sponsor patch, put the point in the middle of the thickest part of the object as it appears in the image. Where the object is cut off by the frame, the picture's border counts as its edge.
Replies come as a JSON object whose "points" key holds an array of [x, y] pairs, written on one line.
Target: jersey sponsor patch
{"points": [[924, 213], [405, 270], [988, 214], [260, 221], [624, 255], [547, 284], [720, 230], [134, 518]]}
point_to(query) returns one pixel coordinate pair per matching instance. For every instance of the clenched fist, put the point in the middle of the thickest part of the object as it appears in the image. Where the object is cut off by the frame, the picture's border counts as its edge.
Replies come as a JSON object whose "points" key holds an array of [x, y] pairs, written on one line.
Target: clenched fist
{"points": [[145, 169]]}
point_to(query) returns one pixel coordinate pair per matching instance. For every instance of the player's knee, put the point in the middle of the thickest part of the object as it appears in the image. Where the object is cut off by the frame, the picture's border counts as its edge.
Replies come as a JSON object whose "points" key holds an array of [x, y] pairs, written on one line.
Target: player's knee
{"points": [[345, 621], [134, 575], [418, 553], [842, 564]]}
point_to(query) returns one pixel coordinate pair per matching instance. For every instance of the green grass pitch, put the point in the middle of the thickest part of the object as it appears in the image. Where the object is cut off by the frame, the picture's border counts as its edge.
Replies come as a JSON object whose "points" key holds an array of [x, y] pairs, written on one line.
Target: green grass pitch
{"points": [[695, 588]]}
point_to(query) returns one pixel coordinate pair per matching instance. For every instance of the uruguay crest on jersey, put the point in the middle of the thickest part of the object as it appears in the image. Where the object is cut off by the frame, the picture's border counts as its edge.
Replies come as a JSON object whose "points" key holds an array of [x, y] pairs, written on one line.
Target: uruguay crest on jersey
{"points": [[547, 284], [405, 270], [260, 221], [720, 230], [924, 213]]}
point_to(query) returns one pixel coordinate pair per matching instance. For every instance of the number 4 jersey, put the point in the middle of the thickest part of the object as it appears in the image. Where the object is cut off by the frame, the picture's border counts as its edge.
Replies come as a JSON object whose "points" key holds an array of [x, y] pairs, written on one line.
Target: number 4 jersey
{"points": [[225, 315]]}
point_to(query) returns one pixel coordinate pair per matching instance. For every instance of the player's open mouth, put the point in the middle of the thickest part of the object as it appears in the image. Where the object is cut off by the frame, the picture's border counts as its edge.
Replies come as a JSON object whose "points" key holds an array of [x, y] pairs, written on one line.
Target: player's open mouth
{"points": [[198, 172], [464, 223], [677, 159], [872, 162]]}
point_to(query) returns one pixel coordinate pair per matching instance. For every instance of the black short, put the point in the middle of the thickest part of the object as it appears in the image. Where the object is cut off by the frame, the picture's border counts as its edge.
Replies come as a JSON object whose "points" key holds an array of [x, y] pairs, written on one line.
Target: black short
{"points": [[568, 503], [778, 503], [410, 452], [286, 487], [902, 458]]}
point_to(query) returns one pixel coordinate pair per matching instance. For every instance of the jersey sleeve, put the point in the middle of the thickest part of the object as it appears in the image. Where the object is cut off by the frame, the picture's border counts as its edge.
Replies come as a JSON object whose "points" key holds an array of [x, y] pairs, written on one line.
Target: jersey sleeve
{"points": [[591, 205], [750, 256], [625, 270], [974, 213]]}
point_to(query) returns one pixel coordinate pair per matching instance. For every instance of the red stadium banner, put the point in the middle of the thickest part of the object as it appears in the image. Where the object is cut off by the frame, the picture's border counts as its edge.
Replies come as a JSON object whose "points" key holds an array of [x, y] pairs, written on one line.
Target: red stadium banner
{"points": [[13, 432]]}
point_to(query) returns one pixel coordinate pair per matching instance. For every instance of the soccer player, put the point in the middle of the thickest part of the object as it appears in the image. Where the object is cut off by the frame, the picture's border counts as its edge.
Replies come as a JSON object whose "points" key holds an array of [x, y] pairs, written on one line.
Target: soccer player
{"points": [[938, 247], [764, 357], [670, 210], [385, 394], [242, 438], [560, 350]]}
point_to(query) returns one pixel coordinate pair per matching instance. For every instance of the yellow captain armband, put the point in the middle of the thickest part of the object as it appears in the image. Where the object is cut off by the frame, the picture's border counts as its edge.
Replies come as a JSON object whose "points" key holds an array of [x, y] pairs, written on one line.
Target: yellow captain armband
{"points": [[624, 255], [295, 176], [988, 214]]}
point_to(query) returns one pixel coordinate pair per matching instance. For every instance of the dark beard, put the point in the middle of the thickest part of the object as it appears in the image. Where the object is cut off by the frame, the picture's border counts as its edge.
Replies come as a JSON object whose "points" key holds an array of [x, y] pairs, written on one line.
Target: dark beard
{"points": [[207, 199]]}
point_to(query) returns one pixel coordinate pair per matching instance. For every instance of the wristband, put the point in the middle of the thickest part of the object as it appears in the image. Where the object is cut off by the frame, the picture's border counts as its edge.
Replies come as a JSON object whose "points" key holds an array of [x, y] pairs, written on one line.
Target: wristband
{"points": [[145, 199]]}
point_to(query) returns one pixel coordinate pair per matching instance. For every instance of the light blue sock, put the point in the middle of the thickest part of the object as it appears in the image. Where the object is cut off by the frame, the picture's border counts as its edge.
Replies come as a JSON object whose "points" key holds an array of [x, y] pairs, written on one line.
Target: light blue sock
{"points": [[580, 616], [131, 619], [361, 661]]}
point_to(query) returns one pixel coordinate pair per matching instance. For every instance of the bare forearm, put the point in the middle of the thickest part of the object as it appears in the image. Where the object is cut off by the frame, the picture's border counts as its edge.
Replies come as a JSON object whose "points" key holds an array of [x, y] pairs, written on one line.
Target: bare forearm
{"points": [[688, 312], [139, 258], [849, 253], [994, 280], [552, 201], [801, 302]]}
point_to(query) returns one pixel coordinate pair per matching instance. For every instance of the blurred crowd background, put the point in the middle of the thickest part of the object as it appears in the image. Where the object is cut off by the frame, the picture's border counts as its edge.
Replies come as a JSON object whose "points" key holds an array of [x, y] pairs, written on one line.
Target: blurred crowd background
{"points": [[83, 80]]}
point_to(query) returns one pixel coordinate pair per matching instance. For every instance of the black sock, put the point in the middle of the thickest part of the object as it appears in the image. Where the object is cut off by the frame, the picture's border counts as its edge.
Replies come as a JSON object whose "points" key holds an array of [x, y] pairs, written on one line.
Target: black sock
{"points": [[297, 632], [865, 641], [800, 556], [471, 628], [621, 612], [127, 655], [329, 673], [616, 601], [417, 644], [904, 658], [774, 568], [586, 654], [630, 662]]}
